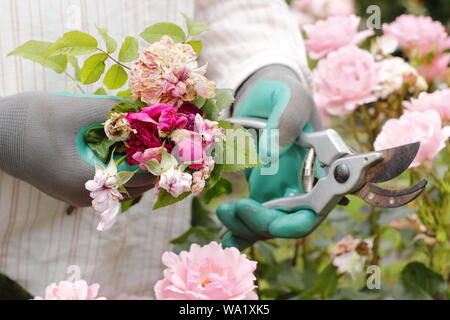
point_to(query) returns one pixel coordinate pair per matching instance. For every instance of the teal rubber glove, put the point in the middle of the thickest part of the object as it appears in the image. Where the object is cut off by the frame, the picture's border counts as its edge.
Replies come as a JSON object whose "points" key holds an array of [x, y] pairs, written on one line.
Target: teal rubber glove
{"points": [[273, 93], [41, 135]]}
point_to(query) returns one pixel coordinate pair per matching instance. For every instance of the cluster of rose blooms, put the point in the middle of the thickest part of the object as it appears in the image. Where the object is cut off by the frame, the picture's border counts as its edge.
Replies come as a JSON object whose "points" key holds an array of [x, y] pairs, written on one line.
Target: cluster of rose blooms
{"points": [[170, 138], [347, 76], [202, 273]]}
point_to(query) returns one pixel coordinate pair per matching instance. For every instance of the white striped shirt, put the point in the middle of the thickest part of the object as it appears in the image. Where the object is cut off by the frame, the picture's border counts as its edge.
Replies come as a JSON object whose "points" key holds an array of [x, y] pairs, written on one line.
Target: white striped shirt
{"points": [[38, 240]]}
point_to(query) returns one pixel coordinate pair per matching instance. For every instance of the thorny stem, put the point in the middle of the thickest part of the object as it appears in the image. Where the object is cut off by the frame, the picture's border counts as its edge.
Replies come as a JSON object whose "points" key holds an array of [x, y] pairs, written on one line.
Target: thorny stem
{"points": [[376, 235], [113, 59]]}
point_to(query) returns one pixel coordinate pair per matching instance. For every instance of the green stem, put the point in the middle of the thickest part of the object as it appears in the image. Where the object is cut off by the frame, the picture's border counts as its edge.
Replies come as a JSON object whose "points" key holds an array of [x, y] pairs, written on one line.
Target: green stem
{"points": [[376, 235], [120, 160], [115, 60], [76, 82]]}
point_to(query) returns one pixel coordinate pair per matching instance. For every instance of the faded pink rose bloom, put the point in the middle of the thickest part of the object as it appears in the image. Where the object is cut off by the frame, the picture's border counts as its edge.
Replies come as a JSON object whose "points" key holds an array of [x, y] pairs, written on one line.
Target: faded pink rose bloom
{"points": [[207, 273], [175, 182], [105, 194], [418, 34], [437, 68], [147, 155], [349, 254], [67, 290], [414, 126], [200, 176], [189, 146], [438, 101], [322, 9], [209, 130], [168, 72], [333, 33], [345, 79]]}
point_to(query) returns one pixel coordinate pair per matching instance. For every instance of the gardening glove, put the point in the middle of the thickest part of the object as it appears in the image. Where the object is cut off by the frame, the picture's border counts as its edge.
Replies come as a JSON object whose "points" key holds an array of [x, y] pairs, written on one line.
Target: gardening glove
{"points": [[41, 144], [276, 94]]}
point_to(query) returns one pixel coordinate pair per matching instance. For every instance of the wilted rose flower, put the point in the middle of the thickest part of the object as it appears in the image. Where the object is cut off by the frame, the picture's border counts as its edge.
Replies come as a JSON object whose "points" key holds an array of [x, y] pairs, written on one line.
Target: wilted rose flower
{"points": [[350, 255], [418, 34], [438, 101], [189, 147], [414, 126], [200, 176], [105, 194], [175, 182], [207, 273], [67, 290], [384, 46], [168, 72], [392, 75], [322, 9], [333, 33], [345, 79], [209, 130], [437, 68], [117, 127]]}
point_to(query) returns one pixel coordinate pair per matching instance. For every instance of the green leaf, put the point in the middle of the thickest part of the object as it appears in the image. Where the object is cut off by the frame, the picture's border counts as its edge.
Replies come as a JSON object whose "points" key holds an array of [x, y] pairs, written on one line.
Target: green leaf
{"points": [[100, 92], [111, 44], [239, 149], [11, 290], [115, 77], [166, 199], [156, 31], [197, 45], [201, 215], [222, 187], [195, 27], [125, 176], [37, 51], [125, 205], [129, 50], [224, 98], [326, 282], [93, 68], [99, 143], [422, 282], [197, 235], [124, 94], [74, 43], [210, 109], [215, 176], [199, 101], [73, 61], [124, 107]]}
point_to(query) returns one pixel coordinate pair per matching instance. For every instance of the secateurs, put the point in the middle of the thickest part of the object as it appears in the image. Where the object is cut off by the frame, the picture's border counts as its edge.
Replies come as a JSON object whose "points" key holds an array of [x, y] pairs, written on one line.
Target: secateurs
{"points": [[348, 173]]}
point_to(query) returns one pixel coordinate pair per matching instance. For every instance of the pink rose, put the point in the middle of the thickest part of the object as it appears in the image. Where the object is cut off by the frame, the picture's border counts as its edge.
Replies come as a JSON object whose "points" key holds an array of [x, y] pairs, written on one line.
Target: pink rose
{"points": [[349, 255], [207, 273], [437, 68], [190, 147], [333, 33], [175, 182], [418, 33], [414, 126], [345, 79], [438, 101], [67, 290], [147, 155]]}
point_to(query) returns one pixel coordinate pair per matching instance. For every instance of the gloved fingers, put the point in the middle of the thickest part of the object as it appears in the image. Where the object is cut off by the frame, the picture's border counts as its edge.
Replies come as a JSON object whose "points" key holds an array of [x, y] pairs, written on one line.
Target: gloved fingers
{"points": [[294, 225], [227, 215], [256, 216], [141, 180], [229, 240]]}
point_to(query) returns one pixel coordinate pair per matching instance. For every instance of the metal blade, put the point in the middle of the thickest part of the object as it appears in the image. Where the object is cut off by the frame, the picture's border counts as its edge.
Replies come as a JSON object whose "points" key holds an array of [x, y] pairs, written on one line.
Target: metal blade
{"points": [[395, 161], [384, 198]]}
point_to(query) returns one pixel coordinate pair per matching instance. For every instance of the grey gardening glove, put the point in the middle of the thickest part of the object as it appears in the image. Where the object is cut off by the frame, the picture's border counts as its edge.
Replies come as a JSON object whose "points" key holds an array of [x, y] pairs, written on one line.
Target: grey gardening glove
{"points": [[37, 139]]}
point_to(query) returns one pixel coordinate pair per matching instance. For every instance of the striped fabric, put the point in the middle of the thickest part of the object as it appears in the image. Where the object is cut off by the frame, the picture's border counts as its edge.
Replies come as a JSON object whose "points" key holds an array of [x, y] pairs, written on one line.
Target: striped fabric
{"points": [[39, 240]]}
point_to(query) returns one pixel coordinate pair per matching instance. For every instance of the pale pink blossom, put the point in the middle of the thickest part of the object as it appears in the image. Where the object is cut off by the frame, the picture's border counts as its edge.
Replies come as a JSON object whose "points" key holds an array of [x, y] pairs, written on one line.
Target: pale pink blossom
{"points": [[418, 34], [410, 222], [207, 273], [333, 33], [414, 126], [350, 255], [189, 146], [437, 68], [209, 130], [345, 79], [147, 155], [168, 72], [67, 290], [200, 176], [105, 193], [438, 101], [175, 181], [322, 9]]}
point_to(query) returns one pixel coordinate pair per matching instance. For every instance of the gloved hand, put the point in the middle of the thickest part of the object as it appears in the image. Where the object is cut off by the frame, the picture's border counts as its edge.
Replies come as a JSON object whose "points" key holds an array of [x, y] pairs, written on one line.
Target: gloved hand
{"points": [[37, 139], [276, 94]]}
